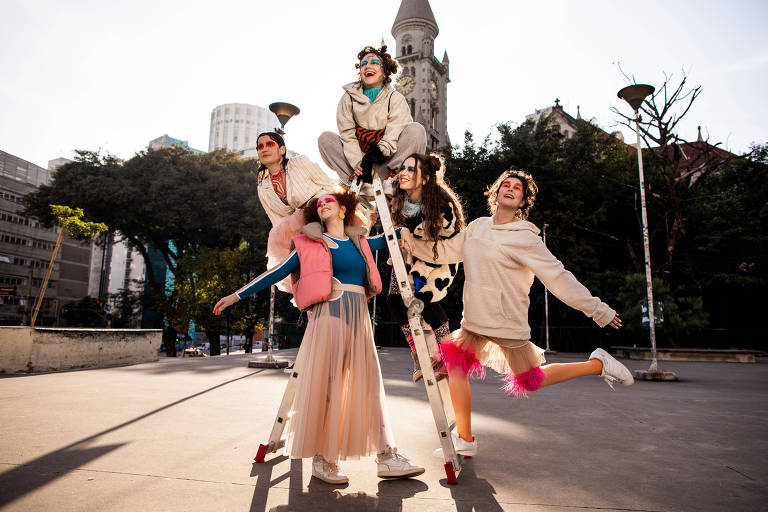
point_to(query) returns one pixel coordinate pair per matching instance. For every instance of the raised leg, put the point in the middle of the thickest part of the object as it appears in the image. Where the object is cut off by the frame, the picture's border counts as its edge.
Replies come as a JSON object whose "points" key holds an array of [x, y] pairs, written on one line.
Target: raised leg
{"points": [[332, 151], [556, 373], [413, 139]]}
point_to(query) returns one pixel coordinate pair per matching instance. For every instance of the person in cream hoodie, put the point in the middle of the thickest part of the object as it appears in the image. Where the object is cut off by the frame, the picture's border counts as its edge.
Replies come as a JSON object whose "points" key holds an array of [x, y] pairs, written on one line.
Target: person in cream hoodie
{"points": [[501, 256]]}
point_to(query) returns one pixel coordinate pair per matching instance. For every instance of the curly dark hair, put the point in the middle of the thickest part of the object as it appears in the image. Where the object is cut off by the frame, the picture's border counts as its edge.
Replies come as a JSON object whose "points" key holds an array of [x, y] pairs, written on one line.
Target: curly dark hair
{"points": [[388, 64], [345, 198], [435, 195], [530, 190], [263, 172]]}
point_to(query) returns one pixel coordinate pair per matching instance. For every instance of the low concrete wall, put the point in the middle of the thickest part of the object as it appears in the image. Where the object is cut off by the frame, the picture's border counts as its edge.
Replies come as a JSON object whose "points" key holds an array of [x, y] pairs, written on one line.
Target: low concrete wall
{"points": [[689, 354], [44, 349]]}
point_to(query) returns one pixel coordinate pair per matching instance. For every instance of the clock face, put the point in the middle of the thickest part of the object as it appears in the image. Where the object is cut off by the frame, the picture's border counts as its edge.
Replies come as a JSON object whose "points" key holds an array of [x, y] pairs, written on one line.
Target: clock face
{"points": [[433, 89], [405, 85]]}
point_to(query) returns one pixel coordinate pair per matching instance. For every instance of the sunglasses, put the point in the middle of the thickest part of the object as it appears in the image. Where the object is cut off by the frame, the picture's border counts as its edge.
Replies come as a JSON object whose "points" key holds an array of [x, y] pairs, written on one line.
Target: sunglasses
{"points": [[324, 200], [410, 168], [372, 62], [268, 144]]}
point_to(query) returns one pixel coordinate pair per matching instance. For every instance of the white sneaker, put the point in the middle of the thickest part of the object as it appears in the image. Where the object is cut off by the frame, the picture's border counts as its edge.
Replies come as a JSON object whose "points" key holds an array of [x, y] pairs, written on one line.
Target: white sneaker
{"points": [[613, 371], [392, 465], [328, 472], [461, 446]]}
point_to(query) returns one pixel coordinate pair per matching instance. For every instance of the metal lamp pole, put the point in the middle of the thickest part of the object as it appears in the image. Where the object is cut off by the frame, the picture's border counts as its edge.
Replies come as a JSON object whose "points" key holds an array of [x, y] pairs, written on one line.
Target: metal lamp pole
{"points": [[284, 112], [635, 95], [546, 300]]}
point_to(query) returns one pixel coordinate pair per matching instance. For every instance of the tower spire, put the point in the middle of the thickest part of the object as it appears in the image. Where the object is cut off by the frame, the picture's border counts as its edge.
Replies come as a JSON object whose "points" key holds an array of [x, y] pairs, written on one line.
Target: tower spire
{"points": [[411, 10]]}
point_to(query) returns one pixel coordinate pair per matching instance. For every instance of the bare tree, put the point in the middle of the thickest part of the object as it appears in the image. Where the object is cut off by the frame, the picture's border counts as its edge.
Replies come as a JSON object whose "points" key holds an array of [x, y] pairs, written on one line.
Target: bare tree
{"points": [[679, 161]]}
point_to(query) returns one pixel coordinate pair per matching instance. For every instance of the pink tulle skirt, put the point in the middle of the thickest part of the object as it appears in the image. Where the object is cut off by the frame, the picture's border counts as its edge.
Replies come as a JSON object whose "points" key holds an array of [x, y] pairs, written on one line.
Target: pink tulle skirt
{"points": [[279, 244], [518, 360], [340, 409]]}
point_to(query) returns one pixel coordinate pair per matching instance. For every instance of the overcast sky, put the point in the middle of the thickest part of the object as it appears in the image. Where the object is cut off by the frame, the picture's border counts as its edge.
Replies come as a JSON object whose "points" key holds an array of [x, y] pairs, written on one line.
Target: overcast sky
{"points": [[87, 74]]}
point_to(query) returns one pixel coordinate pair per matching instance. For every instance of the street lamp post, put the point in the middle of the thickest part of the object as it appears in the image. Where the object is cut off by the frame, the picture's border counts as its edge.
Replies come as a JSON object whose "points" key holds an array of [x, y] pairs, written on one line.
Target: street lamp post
{"points": [[635, 95], [284, 112], [546, 301]]}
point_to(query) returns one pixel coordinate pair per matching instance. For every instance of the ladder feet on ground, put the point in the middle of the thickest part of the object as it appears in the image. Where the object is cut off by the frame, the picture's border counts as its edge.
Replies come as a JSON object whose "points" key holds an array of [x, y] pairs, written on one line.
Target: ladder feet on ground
{"points": [[450, 474], [261, 453]]}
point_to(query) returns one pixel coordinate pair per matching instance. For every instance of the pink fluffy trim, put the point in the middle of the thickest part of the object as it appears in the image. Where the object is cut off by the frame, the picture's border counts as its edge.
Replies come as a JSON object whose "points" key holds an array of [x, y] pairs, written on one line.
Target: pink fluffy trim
{"points": [[519, 385], [456, 357], [279, 241]]}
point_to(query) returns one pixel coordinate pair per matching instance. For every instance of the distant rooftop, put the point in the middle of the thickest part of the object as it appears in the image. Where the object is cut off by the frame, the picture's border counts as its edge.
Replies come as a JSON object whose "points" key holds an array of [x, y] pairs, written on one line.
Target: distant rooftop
{"points": [[166, 141]]}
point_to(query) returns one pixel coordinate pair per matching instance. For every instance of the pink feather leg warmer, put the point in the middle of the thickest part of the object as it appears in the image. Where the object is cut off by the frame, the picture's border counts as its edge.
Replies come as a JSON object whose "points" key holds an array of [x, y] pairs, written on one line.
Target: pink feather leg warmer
{"points": [[456, 357], [519, 385]]}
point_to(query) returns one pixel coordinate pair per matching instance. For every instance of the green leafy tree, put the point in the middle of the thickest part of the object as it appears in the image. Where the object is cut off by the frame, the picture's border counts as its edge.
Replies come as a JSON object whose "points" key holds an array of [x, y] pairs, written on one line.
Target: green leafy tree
{"points": [[70, 220], [728, 224], [683, 314], [170, 199], [127, 304]]}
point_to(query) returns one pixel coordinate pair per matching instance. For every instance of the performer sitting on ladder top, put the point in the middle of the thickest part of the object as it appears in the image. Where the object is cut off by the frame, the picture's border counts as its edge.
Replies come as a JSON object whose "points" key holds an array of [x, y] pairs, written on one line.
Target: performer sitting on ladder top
{"points": [[376, 130], [429, 208], [501, 256], [339, 411]]}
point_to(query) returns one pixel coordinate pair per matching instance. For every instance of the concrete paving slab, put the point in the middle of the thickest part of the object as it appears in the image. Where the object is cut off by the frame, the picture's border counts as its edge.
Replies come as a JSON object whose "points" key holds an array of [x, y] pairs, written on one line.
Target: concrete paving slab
{"points": [[180, 434]]}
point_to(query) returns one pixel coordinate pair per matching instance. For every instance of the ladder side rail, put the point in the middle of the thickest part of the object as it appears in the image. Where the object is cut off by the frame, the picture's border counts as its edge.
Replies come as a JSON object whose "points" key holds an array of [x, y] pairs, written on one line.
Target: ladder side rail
{"points": [[278, 427], [415, 307]]}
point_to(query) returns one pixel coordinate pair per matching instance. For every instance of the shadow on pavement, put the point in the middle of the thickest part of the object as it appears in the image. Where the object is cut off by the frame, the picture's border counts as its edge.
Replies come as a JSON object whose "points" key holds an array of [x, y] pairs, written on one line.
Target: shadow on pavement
{"points": [[41, 471], [320, 496], [473, 494], [26, 478]]}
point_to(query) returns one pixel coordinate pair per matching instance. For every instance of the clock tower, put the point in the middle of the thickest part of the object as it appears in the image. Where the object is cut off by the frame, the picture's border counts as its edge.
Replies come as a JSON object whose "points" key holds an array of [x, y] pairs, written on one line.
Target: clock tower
{"points": [[423, 79]]}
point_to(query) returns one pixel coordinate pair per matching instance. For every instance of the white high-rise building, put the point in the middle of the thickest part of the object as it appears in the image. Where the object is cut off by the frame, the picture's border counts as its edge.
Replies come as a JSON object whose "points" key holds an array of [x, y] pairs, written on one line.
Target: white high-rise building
{"points": [[235, 126]]}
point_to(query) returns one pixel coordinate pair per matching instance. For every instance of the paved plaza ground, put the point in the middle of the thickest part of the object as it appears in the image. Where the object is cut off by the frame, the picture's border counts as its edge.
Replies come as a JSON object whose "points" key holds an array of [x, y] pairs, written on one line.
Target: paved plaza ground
{"points": [[181, 434]]}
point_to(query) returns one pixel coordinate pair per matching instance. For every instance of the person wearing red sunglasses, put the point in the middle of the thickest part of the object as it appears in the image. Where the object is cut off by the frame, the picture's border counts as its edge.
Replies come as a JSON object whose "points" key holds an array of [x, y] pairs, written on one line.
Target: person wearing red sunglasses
{"points": [[502, 254], [376, 130], [285, 186]]}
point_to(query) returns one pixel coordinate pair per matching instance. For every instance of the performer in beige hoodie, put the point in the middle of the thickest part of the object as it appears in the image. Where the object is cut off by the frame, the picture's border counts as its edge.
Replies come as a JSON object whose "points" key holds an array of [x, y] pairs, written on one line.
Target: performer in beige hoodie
{"points": [[376, 130], [501, 256]]}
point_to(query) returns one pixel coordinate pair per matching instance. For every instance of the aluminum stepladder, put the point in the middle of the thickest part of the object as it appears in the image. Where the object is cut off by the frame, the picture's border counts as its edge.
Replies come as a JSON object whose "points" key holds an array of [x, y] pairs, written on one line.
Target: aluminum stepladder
{"points": [[276, 439], [437, 391]]}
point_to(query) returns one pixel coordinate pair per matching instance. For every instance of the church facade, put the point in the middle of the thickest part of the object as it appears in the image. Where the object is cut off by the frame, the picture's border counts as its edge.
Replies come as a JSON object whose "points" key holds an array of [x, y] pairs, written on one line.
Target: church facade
{"points": [[424, 79]]}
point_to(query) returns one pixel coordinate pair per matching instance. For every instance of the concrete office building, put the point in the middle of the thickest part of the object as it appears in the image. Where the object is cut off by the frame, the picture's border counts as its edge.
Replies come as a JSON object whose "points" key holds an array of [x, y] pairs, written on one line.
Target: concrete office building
{"points": [[26, 247]]}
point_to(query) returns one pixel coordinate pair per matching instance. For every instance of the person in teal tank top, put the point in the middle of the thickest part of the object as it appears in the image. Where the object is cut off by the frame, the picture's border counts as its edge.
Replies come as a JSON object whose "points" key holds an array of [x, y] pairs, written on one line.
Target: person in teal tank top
{"points": [[339, 411]]}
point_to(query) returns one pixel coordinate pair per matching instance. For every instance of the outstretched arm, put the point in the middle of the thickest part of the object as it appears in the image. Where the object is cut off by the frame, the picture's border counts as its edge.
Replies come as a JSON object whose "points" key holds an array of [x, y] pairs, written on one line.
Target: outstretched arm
{"points": [[563, 283], [448, 251], [265, 280], [379, 242]]}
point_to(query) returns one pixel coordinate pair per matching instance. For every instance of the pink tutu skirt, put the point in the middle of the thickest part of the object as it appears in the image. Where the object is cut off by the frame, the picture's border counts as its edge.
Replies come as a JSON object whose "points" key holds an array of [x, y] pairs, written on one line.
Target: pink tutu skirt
{"points": [[518, 360], [279, 244], [340, 408]]}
